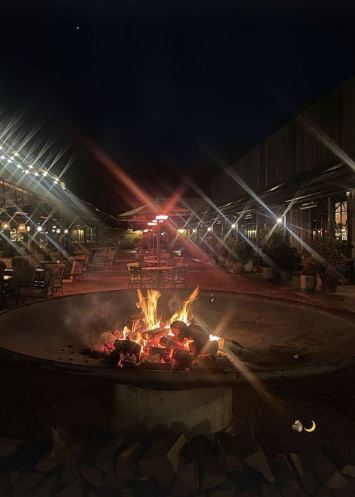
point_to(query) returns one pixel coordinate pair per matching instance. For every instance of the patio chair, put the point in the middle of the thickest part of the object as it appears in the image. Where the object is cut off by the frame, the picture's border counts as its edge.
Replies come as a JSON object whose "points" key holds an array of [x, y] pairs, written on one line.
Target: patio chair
{"points": [[99, 260], [79, 266], [23, 269], [69, 272], [149, 279], [110, 257], [86, 262], [168, 278], [58, 276], [37, 289], [135, 275], [180, 276]]}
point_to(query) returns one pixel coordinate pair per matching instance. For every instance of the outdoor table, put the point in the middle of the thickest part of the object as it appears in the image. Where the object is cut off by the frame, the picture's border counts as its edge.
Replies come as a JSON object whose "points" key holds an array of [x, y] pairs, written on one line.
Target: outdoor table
{"points": [[159, 271]]}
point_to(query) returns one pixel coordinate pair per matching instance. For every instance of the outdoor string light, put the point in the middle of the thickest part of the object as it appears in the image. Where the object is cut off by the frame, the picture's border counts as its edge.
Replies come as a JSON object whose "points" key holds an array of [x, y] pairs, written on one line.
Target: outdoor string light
{"points": [[28, 168]]}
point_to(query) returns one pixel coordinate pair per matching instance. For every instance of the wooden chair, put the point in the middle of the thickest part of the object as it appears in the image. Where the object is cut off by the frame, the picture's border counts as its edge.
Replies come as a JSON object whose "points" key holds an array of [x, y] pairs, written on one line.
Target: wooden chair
{"points": [[180, 276], [37, 289], [79, 266], [99, 260], [69, 272], [149, 279], [135, 275], [58, 276], [168, 278], [110, 257], [85, 263], [23, 269]]}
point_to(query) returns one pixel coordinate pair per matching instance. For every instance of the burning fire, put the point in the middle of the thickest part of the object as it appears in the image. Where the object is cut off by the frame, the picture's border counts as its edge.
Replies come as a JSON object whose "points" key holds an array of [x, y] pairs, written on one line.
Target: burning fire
{"points": [[150, 338], [183, 313]]}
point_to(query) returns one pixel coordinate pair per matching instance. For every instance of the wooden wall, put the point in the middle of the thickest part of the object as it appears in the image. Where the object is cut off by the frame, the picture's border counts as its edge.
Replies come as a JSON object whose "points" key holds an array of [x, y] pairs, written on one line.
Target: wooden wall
{"points": [[307, 143]]}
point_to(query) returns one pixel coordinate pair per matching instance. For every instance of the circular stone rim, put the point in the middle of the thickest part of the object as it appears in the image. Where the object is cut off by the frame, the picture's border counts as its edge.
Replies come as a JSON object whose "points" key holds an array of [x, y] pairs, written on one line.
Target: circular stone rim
{"points": [[157, 379]]}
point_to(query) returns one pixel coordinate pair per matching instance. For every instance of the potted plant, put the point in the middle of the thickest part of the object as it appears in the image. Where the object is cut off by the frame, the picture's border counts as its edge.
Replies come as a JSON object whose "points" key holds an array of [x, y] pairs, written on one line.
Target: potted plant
{"points": [[221, 254], [244, 252], [310, 269], [266, 253], [332, 262], [281, 257], [232, 261]]}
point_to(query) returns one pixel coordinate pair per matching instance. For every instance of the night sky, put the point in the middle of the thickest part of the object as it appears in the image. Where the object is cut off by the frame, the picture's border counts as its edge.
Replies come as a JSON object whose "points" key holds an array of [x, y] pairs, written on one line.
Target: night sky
{"points": [[163, 87]]}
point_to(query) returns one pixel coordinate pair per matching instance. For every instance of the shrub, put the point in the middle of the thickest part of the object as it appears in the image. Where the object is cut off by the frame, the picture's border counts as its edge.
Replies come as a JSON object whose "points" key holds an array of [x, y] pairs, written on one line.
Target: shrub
{"points": [[244, 251]]}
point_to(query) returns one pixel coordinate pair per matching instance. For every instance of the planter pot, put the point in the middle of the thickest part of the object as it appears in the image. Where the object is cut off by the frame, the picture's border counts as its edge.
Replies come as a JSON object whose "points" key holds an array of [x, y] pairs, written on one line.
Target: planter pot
{"points": [[268, 274], [229, 266], [248, 266], [285, 276], [308, 282], [238, 267]]}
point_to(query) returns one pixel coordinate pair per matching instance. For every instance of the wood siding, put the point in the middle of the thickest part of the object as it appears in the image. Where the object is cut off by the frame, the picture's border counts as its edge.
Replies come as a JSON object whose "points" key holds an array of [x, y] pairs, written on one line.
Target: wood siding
{"points": [[307, 143]]}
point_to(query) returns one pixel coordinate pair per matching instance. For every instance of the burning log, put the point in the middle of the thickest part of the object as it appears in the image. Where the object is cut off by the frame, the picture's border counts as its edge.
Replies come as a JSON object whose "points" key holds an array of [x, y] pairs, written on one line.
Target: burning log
{"points": [[199, 336], [192, 332], [128, 347], [126, 353], [183, 357], [154, 334], [162, 352], [180, 329]]}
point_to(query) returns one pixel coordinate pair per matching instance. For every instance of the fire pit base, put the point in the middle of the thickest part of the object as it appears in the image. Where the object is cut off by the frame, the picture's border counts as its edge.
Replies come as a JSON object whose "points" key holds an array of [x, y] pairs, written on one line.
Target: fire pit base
{"points": [[203, 410]]}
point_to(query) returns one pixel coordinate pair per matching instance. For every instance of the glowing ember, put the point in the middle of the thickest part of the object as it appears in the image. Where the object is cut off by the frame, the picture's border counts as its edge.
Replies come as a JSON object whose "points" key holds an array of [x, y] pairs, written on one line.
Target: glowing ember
{"points": [[150, 338]]}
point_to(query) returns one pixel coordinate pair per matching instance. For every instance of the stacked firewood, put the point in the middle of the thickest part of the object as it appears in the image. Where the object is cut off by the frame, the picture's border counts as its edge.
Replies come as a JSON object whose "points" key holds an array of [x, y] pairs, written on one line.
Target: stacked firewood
{"points": [[166, 462]]}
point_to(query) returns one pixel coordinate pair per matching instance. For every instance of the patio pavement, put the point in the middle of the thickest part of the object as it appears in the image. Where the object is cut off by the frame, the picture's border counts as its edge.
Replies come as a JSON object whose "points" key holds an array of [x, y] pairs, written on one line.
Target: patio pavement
{"points": [[209, 276]]}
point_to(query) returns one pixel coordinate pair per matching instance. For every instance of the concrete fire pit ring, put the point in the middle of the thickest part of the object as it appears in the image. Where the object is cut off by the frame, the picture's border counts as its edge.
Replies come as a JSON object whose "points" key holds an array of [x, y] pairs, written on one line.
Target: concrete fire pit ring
{"points": [[280, 339]]}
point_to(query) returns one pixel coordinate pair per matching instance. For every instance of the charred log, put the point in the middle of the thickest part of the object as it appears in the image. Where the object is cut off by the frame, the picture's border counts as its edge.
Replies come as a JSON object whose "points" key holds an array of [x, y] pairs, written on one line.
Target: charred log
{"points": [[183, 357], [128, 347]]}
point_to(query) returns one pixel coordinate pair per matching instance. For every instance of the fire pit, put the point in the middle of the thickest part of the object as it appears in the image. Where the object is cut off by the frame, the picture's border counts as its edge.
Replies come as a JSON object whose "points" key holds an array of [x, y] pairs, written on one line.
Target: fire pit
{"points": [[175, 367]]}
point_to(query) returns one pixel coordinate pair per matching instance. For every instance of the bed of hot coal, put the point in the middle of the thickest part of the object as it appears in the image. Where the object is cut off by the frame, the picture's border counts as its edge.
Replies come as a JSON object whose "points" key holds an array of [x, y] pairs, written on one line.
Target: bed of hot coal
{"points": [[179, 347]]}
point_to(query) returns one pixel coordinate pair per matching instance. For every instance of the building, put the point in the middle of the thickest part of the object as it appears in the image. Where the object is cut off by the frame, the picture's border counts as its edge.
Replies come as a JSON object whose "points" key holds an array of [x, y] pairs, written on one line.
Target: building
{"points": [[302, 175], [38, 211]]}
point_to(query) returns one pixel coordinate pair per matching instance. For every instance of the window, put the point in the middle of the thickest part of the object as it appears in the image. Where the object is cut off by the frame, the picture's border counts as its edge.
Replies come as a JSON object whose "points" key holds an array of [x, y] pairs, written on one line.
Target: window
{"points": [[90, 234], [78, 234], [341, 220], [248, 226]]}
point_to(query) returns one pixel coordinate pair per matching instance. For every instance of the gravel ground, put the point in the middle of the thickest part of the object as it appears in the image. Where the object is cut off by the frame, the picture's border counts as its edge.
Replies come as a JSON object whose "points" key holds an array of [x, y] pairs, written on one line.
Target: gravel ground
{"points": [[34, 400]]}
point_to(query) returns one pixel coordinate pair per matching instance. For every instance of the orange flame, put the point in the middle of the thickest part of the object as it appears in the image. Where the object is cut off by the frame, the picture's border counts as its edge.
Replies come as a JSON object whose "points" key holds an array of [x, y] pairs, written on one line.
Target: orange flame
{"points": [[142, 329], [184, 312], [149, 308]]}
